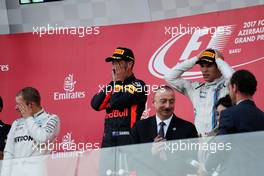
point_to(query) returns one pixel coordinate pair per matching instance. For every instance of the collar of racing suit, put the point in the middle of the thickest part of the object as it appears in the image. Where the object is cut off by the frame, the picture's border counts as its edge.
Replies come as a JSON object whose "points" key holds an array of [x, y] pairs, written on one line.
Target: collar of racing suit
{"points": [[38, 113], [130, 78], [213, 83]]}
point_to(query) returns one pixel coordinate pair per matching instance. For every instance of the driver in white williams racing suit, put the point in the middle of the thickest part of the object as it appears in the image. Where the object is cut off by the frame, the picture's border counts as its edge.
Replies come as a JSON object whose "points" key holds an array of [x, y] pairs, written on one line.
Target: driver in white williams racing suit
{"points": [[30, 134], [216, 73]]}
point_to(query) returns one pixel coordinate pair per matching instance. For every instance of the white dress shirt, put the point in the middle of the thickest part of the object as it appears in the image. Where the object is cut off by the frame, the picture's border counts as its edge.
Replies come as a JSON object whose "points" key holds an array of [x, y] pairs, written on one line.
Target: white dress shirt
{"points": [[167, 123]]}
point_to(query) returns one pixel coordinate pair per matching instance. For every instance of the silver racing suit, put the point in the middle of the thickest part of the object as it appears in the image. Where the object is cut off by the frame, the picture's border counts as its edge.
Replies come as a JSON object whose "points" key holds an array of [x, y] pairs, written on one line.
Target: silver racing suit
{"points": [[204, 96], [29, 137]]}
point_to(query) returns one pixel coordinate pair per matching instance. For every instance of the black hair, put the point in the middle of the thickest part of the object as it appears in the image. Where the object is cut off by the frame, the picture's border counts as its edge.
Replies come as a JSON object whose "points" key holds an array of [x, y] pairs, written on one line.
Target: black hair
{"points": [[224, 101], [245, 82]]}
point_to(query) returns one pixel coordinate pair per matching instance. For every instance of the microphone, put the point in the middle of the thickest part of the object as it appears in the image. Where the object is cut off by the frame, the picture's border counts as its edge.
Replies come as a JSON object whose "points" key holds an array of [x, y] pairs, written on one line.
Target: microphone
{"points": [[114, 71]]}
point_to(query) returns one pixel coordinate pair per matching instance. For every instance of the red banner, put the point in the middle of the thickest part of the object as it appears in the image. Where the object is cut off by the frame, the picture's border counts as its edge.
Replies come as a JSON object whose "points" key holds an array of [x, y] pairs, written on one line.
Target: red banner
{"points": [[68, 69]]}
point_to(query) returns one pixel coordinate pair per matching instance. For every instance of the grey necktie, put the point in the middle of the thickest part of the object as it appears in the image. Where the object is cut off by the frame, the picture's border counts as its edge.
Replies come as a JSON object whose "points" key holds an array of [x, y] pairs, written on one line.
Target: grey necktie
{"points": [[161, 130]]}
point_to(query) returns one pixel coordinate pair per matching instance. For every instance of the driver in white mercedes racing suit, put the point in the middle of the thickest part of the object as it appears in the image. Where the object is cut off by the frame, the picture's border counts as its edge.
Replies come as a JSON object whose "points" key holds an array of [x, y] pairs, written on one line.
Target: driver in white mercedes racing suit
{"points": [[216, 73], [29, 135]]}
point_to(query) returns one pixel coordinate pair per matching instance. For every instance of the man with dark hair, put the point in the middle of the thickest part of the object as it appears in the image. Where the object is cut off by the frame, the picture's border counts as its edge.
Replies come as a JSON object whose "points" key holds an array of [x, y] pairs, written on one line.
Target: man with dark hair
{"points": [[35, 128], [4, 129], [123, 99], [216, 74], [245, 116]]}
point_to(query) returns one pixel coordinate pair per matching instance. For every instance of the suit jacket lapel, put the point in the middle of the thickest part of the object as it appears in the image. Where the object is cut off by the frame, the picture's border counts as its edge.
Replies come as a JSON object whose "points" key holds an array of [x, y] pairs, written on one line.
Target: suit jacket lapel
{"points": [[172, 129], [153, 125]]}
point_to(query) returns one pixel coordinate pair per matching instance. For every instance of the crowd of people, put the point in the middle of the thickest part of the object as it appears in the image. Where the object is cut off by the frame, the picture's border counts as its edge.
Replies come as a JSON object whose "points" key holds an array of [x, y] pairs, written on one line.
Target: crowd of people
{"points": [[222, 103]]}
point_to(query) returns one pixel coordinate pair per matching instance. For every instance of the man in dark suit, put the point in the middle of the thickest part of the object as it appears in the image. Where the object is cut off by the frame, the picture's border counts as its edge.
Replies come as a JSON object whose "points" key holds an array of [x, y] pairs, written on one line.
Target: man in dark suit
{"points": [[245, 116], [164, 126]]}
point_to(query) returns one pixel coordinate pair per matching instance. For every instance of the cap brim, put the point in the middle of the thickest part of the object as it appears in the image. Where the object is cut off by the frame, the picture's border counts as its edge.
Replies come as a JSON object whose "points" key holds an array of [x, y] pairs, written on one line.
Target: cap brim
{"points": [[111, 59], [204, 60]]}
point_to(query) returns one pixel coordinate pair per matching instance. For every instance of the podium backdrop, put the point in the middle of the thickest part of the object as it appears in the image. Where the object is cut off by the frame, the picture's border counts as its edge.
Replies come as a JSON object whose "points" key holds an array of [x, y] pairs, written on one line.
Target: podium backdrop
{"points": [[68, 69]]}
